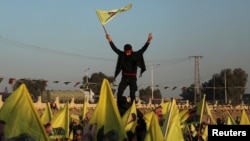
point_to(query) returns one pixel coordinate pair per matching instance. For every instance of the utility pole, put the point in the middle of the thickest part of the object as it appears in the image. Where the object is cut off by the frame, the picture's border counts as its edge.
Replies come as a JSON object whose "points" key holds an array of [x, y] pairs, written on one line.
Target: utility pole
{"points": [[152, 79], [214, 89], [225, 79], [196, 78], [87, 79]]}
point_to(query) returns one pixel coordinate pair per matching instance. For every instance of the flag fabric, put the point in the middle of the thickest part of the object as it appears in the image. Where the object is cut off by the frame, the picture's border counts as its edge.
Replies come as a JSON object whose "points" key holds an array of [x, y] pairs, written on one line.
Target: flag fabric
{"points": [[183, 115], [66, 83], [166, 106], [12, 80], [77, 83], [174, 87], [166, 87], [204, 134], [106, 115], [244, 120], [45, 82], [105, 16], [193, 130], [129, 119], [60, 121], [85, 110], [200, 108], [154, 132], [47, 115], [230, 120], [21, 117], [196, 113], [173, 130], [208, 111]]}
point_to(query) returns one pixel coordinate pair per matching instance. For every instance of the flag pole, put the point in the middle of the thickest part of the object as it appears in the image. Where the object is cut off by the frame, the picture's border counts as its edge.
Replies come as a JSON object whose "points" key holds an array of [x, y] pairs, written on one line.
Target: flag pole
{"points": [[104, 29]]}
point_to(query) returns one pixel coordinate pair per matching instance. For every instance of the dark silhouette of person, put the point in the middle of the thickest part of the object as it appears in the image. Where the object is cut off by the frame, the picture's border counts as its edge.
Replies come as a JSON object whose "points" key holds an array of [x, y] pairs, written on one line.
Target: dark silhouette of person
{"points": [[128, 61]]}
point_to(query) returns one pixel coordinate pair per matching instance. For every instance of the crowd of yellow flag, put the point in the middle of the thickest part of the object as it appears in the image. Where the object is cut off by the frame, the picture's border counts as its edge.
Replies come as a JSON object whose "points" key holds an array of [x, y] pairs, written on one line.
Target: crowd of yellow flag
{"points": [[21, 117]]}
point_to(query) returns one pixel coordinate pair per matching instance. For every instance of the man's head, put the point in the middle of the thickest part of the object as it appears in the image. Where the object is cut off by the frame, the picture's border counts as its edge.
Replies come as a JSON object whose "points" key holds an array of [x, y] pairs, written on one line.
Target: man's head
{"points": [[48, 128], [128, 49]]}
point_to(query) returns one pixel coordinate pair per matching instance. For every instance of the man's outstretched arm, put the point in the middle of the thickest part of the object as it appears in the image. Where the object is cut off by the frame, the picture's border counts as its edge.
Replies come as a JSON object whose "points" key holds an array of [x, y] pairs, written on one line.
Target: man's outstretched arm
{"points": [[112, 45], [108, 37], [150, 37]]}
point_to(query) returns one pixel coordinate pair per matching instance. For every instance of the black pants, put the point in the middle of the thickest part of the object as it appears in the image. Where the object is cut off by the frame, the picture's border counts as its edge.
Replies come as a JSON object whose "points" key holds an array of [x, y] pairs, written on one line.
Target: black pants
{"points": [[126, 81]]}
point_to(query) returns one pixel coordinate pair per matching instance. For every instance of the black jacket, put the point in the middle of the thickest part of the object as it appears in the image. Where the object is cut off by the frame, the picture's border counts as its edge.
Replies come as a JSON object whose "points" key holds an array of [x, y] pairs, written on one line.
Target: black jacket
{"points": [[129, 64]]}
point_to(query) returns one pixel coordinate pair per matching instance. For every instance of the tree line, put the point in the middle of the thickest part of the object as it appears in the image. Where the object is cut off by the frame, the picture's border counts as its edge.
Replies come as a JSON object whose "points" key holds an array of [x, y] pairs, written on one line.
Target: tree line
{"points": [[227, 86]]}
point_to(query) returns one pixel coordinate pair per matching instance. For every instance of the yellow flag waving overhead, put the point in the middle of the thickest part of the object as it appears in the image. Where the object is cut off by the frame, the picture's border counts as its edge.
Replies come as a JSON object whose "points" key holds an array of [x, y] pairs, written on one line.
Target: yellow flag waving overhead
{"points": [[21, 117], [106, 16], [107, 116]]}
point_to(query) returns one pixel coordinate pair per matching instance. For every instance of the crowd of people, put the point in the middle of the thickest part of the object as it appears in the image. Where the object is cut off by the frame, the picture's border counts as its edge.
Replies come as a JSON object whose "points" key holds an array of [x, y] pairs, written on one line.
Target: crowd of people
{"points": [[81, 130]]}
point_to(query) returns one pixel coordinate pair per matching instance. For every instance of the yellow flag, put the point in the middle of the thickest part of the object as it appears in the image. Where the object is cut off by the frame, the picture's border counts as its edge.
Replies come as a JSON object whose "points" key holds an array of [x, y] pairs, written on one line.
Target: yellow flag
{"points": [[193, 130], [165, 111], [173, 130], [200, 108], [85, 109], [47, 114], [60, 122], [204, 133], [105, 16], [21, 117], [129, 119], [208, 111], [106, 114], [183, 115], [154, 132], [230, 120], [244, 120]]}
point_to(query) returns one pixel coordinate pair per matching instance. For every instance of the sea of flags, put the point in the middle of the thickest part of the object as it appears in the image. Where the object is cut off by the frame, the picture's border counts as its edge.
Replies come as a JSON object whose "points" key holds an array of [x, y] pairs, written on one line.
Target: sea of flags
{"points": [[21, 117]]}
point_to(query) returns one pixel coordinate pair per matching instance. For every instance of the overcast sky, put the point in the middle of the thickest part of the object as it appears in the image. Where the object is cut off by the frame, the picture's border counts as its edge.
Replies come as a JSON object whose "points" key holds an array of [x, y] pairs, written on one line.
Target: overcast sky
{"points": [[59, 40]]}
